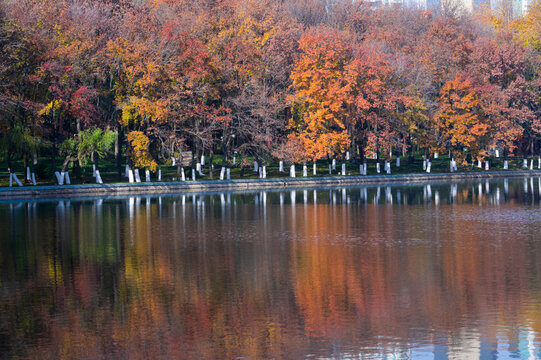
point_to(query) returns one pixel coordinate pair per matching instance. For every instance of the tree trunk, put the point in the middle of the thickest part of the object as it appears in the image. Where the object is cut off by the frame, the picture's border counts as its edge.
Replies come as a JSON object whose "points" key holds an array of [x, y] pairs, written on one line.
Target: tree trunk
{"points": [[211, 174], [25, 161], [95, 156], [117, 154], [9, 160], [53, 155], [66, 163], [77, 169]]}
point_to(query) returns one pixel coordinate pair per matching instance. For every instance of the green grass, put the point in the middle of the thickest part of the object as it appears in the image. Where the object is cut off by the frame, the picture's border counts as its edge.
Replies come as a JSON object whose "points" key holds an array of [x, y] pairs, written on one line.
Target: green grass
{"points": [[45, 175]]}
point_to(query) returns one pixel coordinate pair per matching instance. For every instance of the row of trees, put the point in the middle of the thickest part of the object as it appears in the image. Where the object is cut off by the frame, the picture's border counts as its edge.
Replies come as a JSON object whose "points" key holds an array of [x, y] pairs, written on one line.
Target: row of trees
{"points": [[297, 80]]}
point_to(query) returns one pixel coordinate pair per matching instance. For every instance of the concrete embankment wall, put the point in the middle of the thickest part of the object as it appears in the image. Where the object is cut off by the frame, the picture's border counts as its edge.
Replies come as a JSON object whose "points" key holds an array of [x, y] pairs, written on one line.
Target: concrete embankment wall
{"points": [[88, 190]]}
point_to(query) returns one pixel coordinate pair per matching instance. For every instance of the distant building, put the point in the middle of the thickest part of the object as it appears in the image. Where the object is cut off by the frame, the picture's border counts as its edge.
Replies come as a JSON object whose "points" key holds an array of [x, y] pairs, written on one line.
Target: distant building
{"points": [[511, 8]]}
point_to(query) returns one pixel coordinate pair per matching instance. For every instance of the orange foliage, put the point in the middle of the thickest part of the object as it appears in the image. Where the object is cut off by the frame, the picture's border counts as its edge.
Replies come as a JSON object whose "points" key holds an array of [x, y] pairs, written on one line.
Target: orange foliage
{"points": [[459, 119], [320, 94]]}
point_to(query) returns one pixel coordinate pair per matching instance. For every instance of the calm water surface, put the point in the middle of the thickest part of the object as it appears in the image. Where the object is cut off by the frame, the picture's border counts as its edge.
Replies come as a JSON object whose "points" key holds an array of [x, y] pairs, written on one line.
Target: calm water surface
{"points": [[401, 272]]}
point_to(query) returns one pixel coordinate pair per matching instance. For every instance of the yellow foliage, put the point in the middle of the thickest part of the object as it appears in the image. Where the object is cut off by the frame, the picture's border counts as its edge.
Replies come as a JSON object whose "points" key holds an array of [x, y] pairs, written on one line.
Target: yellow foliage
{"points": [[52, 106], [138, 110], [139, 152], [528, 28]]}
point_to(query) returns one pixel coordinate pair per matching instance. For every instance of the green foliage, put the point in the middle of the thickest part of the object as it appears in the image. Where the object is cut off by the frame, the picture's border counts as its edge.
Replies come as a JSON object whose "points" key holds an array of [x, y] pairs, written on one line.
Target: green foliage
{"points": [[89, 141]]}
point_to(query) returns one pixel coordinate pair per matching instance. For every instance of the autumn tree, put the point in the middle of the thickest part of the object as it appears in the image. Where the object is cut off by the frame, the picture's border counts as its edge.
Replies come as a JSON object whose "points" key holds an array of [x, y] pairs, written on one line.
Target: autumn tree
{"points": [[460, 121], [321, 97], [255, 44], [500, 72], [377, 101], [20, 128]]}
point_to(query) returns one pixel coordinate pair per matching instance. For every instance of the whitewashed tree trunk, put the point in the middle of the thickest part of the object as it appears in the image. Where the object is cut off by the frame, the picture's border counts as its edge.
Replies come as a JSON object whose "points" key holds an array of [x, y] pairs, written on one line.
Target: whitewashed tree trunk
{"points": [[388, 168], [147, 175], [228, 174], [130, 176], [16, 179], [539, 162], [98, 177], [222, 173], [127, 171], [265, 172], [173, 162], [304, 171], [454, 191], [428, 166], [365, 169], [11, 179], [398, 161], [292, 171], [436, 155], [281, 166], [28, 173], [182, 174], [347, 155], [199, 170], [330, 169], [33, 179], [361, 169], [505, 165], [193, 174], [256, 166], [334, 164], [487, 165], [260, 173], [67, 178], [314, 169], [59, 178], [525, 163], [137, 176], [497, 153], [202, 160], [479, 164], [160, 174], [234, 160], [343, 169], [424, 164], [378, 168]]}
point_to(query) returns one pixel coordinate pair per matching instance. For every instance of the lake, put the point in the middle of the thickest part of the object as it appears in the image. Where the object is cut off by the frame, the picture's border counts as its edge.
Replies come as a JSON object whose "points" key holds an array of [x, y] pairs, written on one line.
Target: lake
{"points": [[428, 271]]}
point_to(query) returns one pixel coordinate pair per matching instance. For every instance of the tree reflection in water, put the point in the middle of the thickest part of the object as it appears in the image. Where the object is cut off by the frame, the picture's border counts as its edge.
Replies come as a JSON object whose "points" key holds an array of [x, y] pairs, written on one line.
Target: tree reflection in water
{"points": [[438, 270]]}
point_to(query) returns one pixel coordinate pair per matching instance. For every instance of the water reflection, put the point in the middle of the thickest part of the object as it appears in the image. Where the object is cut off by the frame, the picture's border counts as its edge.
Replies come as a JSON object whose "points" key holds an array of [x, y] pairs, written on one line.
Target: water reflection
{"points": [[427, 271]]}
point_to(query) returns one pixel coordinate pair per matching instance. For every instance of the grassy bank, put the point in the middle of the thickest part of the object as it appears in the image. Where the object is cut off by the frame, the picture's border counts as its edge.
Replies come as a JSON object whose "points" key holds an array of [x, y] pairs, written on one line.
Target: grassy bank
{"points": [[109, 173]]}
